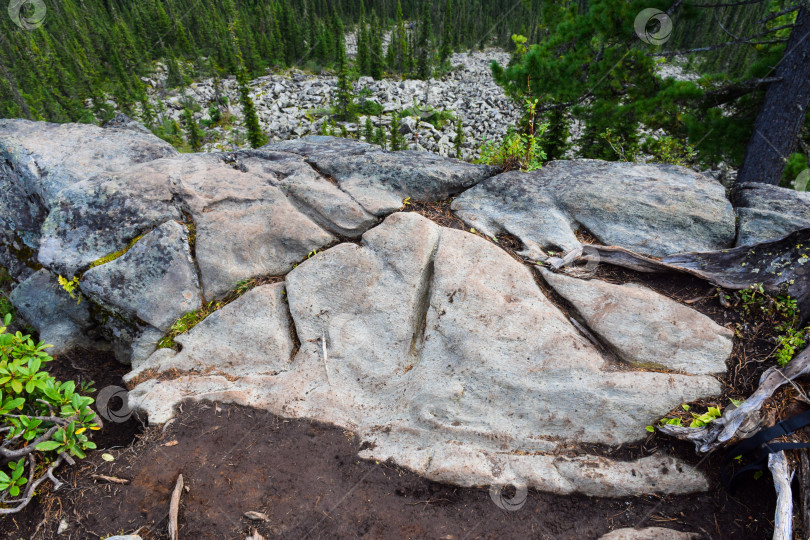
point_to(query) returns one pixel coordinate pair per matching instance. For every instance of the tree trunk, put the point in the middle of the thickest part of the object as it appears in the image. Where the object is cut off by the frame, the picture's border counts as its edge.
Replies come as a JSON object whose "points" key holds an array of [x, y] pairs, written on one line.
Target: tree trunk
{"points": [[777, 126]]}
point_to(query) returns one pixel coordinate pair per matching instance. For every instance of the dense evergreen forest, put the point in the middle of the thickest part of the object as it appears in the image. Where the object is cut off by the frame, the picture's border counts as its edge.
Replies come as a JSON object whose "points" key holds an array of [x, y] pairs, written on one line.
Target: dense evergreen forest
{"points": [[573, 62], [88, 49]]}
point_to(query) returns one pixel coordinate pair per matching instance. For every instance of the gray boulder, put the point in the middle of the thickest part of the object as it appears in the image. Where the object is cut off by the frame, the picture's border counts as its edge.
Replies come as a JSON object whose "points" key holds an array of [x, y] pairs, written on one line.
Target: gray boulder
{"points": [[318, 198], [646, 329], [768, 212], [154, 281], [655, 210], [60, 320], [98, 216], [380, 180], [322, 147], [38, 160], [252, 338], [245, 226], [442, 353]]}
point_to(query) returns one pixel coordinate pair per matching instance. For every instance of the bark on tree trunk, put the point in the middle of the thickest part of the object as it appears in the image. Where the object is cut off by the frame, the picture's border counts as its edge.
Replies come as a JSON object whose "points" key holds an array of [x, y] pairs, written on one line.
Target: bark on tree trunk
{"points": [[786, 101]]}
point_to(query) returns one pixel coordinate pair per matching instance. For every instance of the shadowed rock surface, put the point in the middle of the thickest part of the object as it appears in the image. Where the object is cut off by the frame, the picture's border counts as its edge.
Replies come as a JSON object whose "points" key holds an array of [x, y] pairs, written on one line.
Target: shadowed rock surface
{"points": [[155, 280], [38, 160], [61, 321], [768, 212]]}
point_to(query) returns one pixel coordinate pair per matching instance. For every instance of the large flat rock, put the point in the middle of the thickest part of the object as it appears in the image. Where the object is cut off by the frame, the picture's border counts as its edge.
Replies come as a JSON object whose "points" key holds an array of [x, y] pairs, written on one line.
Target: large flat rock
{"points": [[381, 180], [441, 351], [38, 160], [245, 225], [647, 329], [768, 212], [655, 210], [253, 339], [155, 280]]}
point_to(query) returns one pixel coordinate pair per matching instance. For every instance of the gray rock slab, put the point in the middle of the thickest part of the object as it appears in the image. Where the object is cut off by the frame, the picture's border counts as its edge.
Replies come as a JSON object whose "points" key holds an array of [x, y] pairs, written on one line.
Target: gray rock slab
{"points": [[155, 280], [60, 320], [253, 338], [101, 215], [317, 197], [39, 159], [645, 328], [322, 146], [655, 210], [768, 212], [380, 181], [442, 353], [245, 226]]}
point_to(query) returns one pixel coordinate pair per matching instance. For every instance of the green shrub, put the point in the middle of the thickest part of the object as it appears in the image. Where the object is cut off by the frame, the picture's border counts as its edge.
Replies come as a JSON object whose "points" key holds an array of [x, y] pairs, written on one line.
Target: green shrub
{"points": [[44, 421], [515, 151]]}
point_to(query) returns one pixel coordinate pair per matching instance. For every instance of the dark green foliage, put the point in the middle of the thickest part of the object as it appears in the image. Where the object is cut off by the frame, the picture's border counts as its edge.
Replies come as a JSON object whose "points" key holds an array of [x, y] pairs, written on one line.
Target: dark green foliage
{"points": [[459, 138], [588, 64], [368, 131], [99, 49], [379, 137], [194, 134], [396, 137]]}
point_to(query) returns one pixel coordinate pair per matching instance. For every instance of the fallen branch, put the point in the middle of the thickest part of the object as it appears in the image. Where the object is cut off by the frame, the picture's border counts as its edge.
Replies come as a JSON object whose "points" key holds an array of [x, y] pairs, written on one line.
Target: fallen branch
{"points": [[33, 485], [174, 507], [110, 479], [782, 476], [744, 420]]}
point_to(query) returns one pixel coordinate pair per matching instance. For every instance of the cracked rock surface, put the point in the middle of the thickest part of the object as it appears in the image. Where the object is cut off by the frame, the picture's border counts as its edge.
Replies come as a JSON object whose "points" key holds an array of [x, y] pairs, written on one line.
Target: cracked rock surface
{"points": [[434, 345], [155, 280], [645, 328], [767, 212], [443, 353], [654, 210]]}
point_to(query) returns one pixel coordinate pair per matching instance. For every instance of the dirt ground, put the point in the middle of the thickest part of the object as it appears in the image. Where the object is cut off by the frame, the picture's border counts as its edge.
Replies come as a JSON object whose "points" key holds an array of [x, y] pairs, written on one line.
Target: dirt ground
{"points": [[306, 478]]}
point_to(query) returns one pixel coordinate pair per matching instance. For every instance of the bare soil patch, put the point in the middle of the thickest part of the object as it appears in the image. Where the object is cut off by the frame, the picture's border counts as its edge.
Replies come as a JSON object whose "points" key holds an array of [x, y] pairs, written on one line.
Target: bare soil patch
{"points": [[307, 479]]}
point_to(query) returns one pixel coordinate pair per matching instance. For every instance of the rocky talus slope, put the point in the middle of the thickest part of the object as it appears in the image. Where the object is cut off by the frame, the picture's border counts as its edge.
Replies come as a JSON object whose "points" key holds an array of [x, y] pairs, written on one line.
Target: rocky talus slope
{"points": [[435, 345], [292, 104]]}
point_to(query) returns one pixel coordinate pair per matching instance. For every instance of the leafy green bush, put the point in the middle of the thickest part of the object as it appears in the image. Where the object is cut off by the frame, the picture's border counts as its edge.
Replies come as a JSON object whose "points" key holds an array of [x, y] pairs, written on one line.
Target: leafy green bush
{"points": [[44, 421]]}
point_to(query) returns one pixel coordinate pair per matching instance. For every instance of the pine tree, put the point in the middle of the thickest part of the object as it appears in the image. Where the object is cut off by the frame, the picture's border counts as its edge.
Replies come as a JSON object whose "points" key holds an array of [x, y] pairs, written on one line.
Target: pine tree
{"points": [[379, 137], [396, 138], [423, 64], [256, 136], [447, 34], [193, 132], [459, 138], [343, 91], [368, 130]]}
